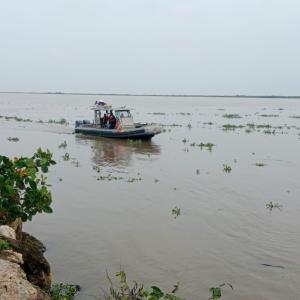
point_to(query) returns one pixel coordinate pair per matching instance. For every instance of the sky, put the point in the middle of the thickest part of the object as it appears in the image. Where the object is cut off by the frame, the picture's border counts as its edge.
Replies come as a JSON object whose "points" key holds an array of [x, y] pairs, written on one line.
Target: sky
{"points": [[151, 46]]}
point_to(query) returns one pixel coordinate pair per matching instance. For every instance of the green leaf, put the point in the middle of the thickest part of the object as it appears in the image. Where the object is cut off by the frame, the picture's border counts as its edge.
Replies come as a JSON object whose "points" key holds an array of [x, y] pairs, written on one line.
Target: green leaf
{"points": [[48, 209], [156, 292]]}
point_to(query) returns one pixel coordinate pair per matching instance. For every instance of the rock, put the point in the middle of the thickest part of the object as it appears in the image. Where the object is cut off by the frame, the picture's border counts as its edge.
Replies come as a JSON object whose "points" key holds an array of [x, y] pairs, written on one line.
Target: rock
{"points": [[35, 265], [7, 231], [11, 256], [13, 283], [16, 225], [15, 286]]}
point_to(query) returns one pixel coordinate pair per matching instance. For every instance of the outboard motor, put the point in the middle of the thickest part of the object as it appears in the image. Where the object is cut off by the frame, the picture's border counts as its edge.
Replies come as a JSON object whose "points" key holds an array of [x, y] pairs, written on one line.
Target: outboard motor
{"points": [[86, 122]]}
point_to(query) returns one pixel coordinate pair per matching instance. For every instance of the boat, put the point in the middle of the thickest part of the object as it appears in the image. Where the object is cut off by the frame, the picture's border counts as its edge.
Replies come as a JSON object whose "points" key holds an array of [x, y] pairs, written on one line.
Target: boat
{"points": [[122, 126]]}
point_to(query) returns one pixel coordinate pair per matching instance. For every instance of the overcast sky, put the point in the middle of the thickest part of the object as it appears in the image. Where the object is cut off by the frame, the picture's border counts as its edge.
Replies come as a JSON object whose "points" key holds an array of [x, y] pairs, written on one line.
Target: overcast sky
{"points": [[151, 46]]}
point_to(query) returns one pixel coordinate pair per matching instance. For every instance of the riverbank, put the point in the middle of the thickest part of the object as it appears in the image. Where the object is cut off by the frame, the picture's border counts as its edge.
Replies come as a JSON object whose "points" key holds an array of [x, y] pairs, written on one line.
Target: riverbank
{"points": [[24, 272]]}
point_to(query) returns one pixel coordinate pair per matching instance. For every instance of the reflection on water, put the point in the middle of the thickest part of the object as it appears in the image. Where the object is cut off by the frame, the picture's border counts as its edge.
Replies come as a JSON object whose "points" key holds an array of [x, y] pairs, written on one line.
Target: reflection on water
{"points": [[114, 152]]}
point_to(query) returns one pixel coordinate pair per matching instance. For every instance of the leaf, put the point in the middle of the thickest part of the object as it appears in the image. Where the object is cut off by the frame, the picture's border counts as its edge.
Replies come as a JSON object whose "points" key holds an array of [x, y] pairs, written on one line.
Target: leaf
{"points": [[156, 292], [48, 209]]}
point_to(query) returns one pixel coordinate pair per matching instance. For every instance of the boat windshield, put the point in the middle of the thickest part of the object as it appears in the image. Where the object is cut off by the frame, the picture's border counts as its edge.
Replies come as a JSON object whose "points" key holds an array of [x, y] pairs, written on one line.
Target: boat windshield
{"points": [[123, 114]]}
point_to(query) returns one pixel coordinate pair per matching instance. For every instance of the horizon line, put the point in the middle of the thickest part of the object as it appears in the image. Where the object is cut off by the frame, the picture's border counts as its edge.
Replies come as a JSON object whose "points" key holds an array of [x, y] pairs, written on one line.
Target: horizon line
{"points": [[155, 95]]}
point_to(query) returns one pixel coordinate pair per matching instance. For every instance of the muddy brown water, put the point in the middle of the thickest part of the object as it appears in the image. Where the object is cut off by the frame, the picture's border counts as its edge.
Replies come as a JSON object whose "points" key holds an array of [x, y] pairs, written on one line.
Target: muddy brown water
{"points": [[224, 233]]}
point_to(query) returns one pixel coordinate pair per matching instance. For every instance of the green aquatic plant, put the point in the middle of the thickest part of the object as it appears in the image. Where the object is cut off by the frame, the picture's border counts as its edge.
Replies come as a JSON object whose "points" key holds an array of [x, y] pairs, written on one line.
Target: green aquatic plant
{"points": [[232, 116], [216, 292], [185, 140], [156, 180], [208, 146], [23, 187], [5, 245], [269, 116], [133, 179], [227, 168], [157, 113], [134, 142], [66, 156], [189, 125], [63, 145], [137, 291], [294, 117], [260, 164], [62, 291], [97, 169], [13, 139], [176, 211], [227, 127], [272, 205], [61, 121]]}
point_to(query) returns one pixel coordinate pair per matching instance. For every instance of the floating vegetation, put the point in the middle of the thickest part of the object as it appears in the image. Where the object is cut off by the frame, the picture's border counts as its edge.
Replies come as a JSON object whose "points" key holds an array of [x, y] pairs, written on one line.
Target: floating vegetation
{"points": [[248, 130], [260, 164], [157, 113], [134, 142], [61, 121], [63, 145], [263, 126], [17, 119], [176, 211], [227, 127], [13, 139], [208, 123], [171, 125], [216, 292], [272, 206], [60, 179], [268, 131], [198, 172], [232, 116], [109, 177], [97, 169], [156, 180], [62, 291], [189, 125], [208, 146], [66, 156], [132, 179], [184, 113], [227, 168], [185, 140], [294, 117], [269, 116]]}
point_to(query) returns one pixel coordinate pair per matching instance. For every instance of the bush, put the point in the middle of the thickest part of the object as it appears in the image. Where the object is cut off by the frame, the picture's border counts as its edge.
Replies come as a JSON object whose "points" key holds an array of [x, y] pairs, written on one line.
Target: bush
{"points": [[23, 189]]}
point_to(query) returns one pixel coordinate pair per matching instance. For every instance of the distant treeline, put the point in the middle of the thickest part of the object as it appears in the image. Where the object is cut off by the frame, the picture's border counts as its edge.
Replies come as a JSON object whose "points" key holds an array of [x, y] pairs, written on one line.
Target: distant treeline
{"points": [[159, 95]]}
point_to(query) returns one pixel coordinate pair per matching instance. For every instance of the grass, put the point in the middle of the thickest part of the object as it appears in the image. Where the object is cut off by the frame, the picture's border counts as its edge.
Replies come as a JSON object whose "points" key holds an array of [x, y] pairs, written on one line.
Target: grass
{"points": [[4, 245], [232, 116]]}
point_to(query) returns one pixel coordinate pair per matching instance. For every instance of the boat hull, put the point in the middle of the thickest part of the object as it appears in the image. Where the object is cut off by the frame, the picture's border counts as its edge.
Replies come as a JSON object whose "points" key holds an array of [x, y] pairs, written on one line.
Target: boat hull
{"points": [[134, 134]]}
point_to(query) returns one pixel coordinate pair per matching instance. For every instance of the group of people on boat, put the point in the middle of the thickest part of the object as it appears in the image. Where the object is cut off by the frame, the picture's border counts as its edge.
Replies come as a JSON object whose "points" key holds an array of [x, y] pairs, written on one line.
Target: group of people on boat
{"points": [[108, 120]]}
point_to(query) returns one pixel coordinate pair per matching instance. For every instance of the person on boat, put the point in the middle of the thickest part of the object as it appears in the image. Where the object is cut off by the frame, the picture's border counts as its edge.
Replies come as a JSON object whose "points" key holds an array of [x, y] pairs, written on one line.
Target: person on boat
{"points": [[112, 120]]}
